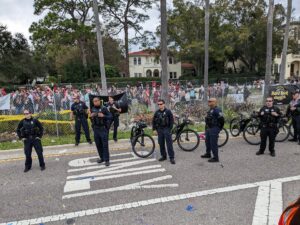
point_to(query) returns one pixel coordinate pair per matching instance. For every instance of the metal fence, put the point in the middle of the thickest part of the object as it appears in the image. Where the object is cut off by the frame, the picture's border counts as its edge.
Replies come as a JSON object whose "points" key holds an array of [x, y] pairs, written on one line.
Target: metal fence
{"points": [[52, 104]]}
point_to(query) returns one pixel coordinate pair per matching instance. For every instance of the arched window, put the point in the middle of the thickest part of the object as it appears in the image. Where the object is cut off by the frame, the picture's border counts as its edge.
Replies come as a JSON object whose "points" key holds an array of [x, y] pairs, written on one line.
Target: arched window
{"points": [[135, 61], [148, 73], [156, 73]]}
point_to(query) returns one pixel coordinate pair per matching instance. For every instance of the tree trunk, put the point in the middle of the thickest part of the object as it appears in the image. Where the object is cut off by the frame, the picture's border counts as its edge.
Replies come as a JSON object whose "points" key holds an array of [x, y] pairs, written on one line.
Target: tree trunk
{"points": [[126, 38], [164, 52], [206, 45], [285, 43], [269, 48], [81, 44], [100, 47]]}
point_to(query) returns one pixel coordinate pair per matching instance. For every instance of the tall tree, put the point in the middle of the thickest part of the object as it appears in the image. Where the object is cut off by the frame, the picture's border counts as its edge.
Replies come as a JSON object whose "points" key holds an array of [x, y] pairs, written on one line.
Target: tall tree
{"points": [[206, 48], [164, 51], [269, 47], [285, 42], [122, 15], [66, 22], [100, 47]]}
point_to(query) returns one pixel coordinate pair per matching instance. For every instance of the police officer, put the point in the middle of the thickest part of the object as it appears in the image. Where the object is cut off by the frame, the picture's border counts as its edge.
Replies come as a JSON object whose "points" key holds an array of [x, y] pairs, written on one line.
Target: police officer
{"points": [[79, 111], [214, 122], [293, 111], [30, 130], [115, 110], [269, 116], [163, 121], [100, 118]]}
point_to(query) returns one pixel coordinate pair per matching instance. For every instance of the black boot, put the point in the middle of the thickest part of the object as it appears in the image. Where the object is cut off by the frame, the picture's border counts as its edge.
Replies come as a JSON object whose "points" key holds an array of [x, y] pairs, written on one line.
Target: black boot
{"points": [[259, 153], [213, 160], [26, 169], [162, 159], [206, 155]]}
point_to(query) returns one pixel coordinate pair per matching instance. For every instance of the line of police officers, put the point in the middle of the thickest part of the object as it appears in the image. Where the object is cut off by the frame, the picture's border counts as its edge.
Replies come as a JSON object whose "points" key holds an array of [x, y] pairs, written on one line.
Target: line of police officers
{"points": [[30, 129]]}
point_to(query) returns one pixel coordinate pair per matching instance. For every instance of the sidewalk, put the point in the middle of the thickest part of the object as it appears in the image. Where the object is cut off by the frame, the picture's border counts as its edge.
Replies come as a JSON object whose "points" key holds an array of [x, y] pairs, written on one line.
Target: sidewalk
{"points": [[68, 149]]}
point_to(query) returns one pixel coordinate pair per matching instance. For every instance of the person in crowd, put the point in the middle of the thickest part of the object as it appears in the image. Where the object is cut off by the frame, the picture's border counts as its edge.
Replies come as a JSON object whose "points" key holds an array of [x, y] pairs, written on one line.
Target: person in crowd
{"points": [[30, 130], [269, 116], [291, 215], [162, 122], [80, 113], [214, 122], [101, 117]]}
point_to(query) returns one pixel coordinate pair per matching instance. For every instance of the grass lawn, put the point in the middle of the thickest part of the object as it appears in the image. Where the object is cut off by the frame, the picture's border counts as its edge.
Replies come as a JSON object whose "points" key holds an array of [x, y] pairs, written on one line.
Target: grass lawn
{"points": [[70, 139]]}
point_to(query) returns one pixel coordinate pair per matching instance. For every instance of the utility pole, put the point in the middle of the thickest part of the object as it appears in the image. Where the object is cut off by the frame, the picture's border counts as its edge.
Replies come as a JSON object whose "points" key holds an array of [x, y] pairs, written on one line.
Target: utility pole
{"points": [[100, 47], [164, 52], [206, 50], [285, 42]]}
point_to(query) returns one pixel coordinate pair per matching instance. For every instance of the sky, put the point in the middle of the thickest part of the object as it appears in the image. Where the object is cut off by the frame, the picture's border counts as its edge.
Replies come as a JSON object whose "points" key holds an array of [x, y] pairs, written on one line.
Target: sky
{"points": [[18, 15]]}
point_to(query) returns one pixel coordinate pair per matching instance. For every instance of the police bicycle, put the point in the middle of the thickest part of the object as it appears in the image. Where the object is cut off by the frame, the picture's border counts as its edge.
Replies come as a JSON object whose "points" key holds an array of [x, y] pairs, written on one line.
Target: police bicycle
{"points": [[238, 125], [251, 132], [187, 139], [142, 144]]}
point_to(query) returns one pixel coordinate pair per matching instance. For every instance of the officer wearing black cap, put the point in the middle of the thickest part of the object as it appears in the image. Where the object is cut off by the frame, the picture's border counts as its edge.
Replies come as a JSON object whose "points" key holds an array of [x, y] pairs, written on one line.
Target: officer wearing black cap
{"points": [[79, 111], [293, 111], [30, 130], [115, 110], [269, 116], [100, 118], [162, 122], [214, 122]]}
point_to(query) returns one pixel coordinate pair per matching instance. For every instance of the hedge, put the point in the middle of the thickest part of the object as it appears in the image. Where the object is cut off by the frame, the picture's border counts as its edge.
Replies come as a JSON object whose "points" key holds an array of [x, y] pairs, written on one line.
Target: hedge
{"points": [[64, 127]]}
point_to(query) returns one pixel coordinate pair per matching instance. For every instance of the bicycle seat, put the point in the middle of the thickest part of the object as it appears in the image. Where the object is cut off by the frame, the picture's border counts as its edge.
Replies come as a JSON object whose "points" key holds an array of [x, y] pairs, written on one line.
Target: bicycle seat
{"points": [[141, 124]]}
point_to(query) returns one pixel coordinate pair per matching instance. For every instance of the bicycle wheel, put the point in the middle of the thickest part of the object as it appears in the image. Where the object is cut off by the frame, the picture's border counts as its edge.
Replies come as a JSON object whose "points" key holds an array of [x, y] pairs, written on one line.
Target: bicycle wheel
{"points": [[174, 133], [234, 127], [143, 145], [223, 138], [251, 134], [188, 140], [283, 133], [132, 133], [291, 130]]}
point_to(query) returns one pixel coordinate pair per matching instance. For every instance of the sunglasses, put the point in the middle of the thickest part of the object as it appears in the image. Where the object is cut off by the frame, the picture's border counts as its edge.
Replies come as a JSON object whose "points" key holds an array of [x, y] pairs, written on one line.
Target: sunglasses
{"points": [[160, 104], [269, 101]]}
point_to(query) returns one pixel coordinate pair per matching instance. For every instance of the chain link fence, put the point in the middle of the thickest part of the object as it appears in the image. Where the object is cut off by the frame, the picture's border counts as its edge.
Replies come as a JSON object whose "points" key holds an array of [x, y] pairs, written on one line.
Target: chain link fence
{"points": [[51, 104]]}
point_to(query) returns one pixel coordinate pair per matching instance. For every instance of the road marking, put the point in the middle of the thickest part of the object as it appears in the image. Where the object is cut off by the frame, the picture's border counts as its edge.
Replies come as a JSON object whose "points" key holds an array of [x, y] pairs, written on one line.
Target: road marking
{"points": [[134, 186], [95, 211]]}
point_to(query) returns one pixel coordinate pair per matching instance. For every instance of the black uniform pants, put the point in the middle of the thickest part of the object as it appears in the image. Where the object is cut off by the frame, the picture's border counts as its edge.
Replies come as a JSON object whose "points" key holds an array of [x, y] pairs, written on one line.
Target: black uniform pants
{"points": [[296, 126], [36, 143], [81, 121], [101, 140], [116, 123], [165, 137], [268, 132]]}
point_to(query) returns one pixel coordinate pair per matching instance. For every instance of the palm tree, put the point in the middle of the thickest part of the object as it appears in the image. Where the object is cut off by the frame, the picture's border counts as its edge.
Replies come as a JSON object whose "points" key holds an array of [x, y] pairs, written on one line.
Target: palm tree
{"points": [[206, 45], [164, 52], [285, 42], [100, 47], [269, 47]]}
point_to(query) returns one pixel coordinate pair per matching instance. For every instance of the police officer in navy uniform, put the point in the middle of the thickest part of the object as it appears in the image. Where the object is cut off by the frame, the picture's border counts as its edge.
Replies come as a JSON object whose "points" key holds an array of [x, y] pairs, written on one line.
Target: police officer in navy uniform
{"points": [[100, 117], [30, 130], [214, 122], [115, 110], [163, 121], [269, 116], [79, 111], [293, 111]]}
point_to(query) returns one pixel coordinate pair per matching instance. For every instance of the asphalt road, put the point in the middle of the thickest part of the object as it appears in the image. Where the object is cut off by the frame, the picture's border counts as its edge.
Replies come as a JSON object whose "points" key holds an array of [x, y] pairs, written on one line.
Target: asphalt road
{"points": [[242, 189]]}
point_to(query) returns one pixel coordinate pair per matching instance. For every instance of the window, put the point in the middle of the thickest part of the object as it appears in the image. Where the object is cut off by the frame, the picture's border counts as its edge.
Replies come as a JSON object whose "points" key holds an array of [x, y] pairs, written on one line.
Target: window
{"points": [[174, 75], [134, 61], [140, 74], [139, 61], [170, 60], [171, 75], [135, 74]]}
